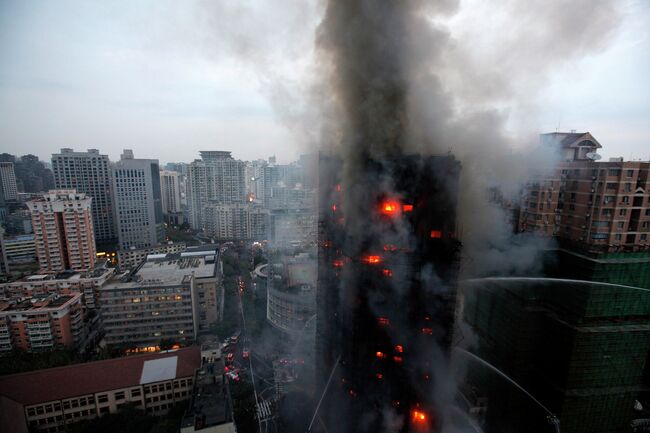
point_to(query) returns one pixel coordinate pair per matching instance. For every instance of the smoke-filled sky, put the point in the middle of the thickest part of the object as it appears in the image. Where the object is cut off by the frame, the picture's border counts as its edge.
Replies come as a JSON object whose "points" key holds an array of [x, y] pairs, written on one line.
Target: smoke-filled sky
{"points": [[168, 79]]}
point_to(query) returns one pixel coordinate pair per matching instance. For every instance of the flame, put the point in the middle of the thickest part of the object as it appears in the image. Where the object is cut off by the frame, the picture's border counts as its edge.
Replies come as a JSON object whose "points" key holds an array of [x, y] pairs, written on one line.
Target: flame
{"points": [[399, 348], [380, 355], [334, 207], [337, 263], [407, 208], [390, 207], [398, 359], [372, 260], [387, 272], [436, 234], [418, 416]]}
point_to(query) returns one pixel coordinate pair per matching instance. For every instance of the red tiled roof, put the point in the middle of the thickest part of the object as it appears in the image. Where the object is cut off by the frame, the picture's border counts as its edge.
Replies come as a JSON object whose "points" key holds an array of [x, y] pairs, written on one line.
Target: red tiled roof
{"points": [[82, 379]]}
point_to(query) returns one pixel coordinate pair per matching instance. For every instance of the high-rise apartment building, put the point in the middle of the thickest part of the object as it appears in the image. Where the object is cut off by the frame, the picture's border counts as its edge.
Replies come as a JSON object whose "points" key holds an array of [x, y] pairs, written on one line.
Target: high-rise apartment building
{"points": [[89, 173], [170, 184], [216, 178], [137, 197], [590, 371], [387, 269], [8, 178], [63, 231]]}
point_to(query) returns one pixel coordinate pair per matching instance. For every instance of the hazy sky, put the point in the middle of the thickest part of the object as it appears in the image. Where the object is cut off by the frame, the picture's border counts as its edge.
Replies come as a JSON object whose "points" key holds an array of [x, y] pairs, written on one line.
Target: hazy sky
{"points": [[169, 78]]}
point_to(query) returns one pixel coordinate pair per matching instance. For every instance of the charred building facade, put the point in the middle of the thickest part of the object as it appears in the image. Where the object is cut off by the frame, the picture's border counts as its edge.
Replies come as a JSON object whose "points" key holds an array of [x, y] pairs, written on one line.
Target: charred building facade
{"points": [[387, 272]]}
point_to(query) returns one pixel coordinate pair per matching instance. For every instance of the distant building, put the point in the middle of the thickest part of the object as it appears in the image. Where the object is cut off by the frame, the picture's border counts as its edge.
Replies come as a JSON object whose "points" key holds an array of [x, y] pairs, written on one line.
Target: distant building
{"points": [[241, 221], [8, 179], [4, 264], [18, 222], [138, 206], [292, 227], [87, 283], [216, 178], [131, 258], [169, 297], [48, 400], [89, 173], [41, 322], [63, 231], [291, 296], [170, 185], [20, 249]]}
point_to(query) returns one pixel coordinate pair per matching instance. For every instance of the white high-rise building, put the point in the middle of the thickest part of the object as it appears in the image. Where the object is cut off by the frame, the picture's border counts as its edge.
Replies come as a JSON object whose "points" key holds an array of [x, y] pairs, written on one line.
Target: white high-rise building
{"points": [[89, 173], [235, 221], [137, 197], [63, 231], [8, 178], [171, 192], [217, 178]]}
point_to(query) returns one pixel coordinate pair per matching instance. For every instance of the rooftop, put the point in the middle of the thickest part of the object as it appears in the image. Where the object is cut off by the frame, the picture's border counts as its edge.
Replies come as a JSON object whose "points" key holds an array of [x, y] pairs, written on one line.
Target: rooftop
{"points": [[210, 403], [63, 382], [172, 268], [38, 302]]}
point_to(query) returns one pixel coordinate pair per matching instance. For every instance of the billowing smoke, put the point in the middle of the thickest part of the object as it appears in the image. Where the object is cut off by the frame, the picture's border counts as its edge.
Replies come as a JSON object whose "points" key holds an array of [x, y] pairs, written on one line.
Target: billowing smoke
{"points": [[432, 77], [401, 83]]}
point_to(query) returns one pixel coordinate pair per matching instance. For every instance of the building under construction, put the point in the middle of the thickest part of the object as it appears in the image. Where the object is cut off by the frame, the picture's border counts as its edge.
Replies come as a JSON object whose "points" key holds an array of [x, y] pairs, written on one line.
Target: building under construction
{"points": [[387, 272], [581, 348]]}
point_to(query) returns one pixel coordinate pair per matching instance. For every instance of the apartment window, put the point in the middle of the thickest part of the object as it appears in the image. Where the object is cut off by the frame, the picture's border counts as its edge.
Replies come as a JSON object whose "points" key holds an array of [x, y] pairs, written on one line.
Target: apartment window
{"points": [[622, 212], [620, 224], [647, 212], [630, 173], [135, 392], [614, 172], [626, 199], [618, 237], [645, 224], [119, 395], [628, 187], [611, 185], [102, 398], [31, 411], [609, 199], [607, 212]]}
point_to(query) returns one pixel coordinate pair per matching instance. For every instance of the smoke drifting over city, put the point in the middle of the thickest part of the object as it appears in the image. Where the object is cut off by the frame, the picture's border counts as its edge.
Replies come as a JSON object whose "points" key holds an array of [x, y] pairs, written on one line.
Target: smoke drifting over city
{"points": [[402, 82]]}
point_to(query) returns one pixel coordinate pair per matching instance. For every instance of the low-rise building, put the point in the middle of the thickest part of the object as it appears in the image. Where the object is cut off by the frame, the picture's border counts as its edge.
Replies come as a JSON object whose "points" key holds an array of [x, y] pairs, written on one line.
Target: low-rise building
{"points": [[131, 258], [49, 400], [210, 409], [168, 297], [20, 249], [87, 283], [42, 322]]}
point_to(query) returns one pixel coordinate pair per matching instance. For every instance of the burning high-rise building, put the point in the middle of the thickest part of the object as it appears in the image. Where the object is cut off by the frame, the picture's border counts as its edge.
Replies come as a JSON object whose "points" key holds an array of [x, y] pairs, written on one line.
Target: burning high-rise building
{"points": [[388, 261]]}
